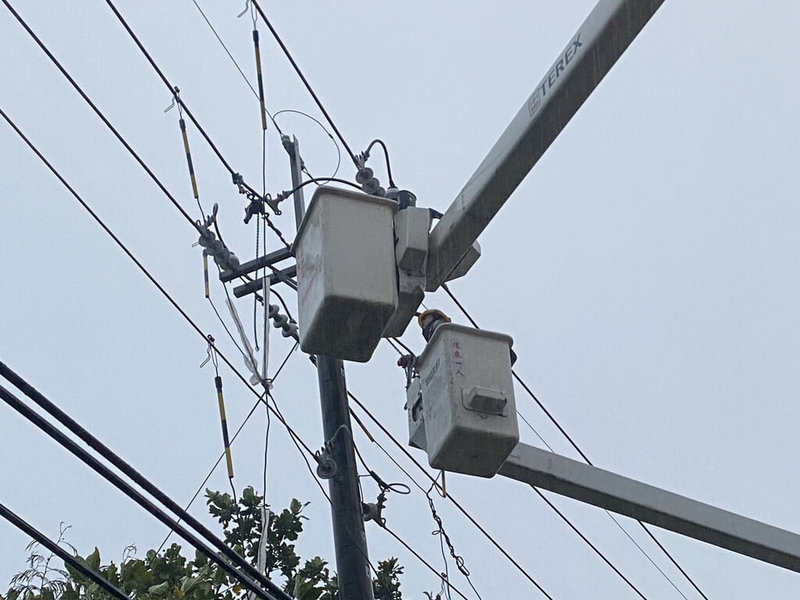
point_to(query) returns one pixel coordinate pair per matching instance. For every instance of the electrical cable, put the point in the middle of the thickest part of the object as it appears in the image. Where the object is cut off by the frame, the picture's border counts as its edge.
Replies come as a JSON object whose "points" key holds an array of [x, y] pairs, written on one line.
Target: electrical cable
{"points": [[305, 81], [444, 579], [68, 558], [283, 195], [386, 155], [589, 543], [589, 462], [248, 580], [328, 133], [272, 117]]}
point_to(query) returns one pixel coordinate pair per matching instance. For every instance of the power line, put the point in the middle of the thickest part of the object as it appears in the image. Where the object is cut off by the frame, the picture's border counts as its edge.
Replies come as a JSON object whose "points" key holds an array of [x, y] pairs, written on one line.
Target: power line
{"points": [[589, 543], [70, 560], [423, 561], [248, 581], [586, 459], [233, 60]]}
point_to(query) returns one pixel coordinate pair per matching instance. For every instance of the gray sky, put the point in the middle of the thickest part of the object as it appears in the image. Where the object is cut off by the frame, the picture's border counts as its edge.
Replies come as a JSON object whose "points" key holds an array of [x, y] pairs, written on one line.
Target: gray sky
{"points": [[646, 268]]}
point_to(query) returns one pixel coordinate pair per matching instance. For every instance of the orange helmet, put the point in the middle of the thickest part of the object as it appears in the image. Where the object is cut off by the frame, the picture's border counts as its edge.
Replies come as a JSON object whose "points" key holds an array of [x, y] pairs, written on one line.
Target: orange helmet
{"points": [[433, 312]]}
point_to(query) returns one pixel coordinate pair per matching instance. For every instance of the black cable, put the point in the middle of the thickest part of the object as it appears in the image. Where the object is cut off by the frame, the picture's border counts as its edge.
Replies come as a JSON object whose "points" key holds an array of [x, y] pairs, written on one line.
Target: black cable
{"points": [[385, 154], [286, 194], [70, 560], [305, 81], [588, 542], [444, 579], [250, 583], [97, 111], [283, 302], [585, 458], [211, 471]]}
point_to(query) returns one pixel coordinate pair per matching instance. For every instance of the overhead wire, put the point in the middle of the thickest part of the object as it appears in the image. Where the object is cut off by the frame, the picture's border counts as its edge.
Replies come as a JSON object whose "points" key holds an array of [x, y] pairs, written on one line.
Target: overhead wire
{"points": [[328, 133], [72, 561], [171, 89], [575, 446]]}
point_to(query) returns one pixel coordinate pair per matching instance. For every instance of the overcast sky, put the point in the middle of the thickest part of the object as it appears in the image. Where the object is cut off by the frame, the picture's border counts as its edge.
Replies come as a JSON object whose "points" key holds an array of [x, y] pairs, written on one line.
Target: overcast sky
{"points": [[647, 269]]}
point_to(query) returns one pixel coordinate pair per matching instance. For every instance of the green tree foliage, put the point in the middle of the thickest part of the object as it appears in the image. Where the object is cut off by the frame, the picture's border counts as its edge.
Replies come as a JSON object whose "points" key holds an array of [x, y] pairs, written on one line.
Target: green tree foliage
{"points": [[172, 575]]}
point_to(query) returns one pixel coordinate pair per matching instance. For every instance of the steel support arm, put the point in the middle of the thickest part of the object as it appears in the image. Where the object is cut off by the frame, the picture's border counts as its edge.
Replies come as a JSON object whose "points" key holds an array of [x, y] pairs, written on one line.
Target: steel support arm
{"points": [[605, 34], [650, 504]]}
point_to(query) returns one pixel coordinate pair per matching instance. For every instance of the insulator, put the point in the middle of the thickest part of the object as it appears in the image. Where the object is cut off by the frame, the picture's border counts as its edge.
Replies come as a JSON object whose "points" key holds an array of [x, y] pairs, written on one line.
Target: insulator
{"points": [[364, 174]]}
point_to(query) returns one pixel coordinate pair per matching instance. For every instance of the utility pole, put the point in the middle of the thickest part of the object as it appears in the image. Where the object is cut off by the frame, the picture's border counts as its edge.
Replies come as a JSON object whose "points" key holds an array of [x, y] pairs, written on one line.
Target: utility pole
{"points": [[349, 538]]}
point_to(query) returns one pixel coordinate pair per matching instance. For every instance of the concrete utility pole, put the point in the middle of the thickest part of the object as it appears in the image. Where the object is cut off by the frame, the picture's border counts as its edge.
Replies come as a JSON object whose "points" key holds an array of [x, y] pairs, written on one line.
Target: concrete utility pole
{"points": [[349, 538]]}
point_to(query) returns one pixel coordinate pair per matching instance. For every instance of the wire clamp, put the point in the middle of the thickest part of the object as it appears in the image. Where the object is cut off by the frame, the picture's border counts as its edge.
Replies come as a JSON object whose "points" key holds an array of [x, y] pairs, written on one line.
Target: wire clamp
{"points": [[326, 466]]}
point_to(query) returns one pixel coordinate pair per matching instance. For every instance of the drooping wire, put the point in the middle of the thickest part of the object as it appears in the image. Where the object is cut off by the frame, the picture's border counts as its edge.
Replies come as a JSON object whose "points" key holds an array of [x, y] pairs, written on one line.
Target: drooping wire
{"points": [[589, 462], [305, 81], [328, 133], [440, 531]]}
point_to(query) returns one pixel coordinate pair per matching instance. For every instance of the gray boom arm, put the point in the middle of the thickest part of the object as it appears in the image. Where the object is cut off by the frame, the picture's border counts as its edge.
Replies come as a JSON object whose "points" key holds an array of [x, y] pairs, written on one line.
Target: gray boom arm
{"points": [[605, 34]]}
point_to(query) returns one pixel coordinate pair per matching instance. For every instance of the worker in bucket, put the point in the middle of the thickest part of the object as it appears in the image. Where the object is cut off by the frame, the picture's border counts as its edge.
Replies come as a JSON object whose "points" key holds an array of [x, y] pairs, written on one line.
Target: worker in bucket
{"points": [[428, 321]]}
